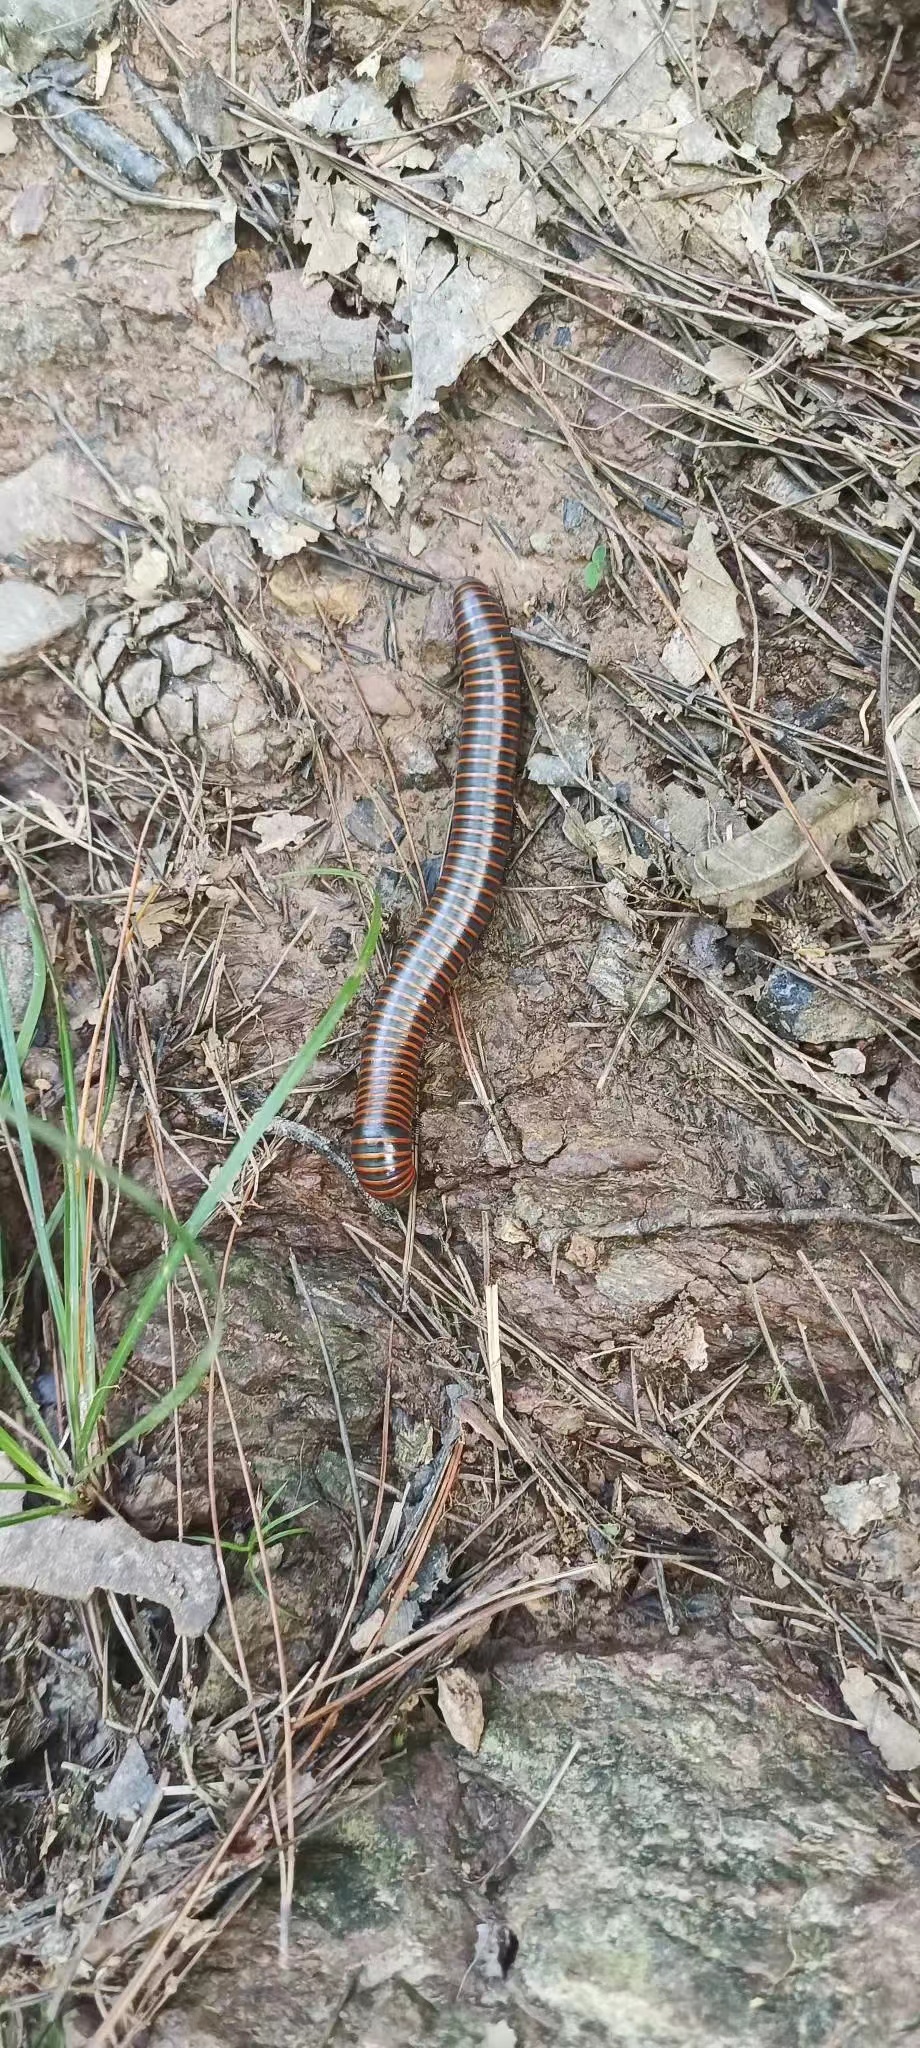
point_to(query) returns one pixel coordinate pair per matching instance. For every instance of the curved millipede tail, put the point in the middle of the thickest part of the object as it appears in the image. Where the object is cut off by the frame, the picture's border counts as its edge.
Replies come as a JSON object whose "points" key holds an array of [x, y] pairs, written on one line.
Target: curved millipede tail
{"points": [[383, 1133]]}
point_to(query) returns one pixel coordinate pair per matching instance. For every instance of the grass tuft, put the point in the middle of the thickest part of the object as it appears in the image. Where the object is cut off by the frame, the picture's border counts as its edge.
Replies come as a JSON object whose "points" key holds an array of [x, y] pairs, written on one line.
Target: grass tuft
{"points": [[67, 1469]]}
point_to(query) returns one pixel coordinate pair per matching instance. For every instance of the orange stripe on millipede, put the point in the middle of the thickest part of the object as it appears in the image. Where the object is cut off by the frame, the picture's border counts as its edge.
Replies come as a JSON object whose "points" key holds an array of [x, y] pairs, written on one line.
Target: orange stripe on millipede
{"points": [[474, 863]]}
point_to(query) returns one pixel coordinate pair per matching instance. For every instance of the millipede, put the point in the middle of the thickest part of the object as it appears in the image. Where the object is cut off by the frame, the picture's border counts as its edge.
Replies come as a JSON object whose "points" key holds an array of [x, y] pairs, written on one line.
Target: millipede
{"points": [[383, 1134]]}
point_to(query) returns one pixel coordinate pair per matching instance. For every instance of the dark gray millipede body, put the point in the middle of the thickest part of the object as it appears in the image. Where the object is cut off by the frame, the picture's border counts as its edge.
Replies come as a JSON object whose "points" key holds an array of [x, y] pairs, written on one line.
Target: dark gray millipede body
{"points": [[383, 1133]]}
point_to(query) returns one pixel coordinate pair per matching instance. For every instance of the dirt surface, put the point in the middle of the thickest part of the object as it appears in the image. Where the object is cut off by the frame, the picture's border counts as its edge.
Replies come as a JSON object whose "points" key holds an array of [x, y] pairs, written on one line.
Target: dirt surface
{"points": [[618, 313]]}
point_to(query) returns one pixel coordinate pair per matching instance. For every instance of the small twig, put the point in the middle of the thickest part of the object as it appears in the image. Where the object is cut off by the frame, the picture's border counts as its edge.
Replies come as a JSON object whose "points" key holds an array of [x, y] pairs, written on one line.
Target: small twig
{"points": [[891, 1401], [537, 1813], [636, 1011], [892, 761], [306, 1297]]}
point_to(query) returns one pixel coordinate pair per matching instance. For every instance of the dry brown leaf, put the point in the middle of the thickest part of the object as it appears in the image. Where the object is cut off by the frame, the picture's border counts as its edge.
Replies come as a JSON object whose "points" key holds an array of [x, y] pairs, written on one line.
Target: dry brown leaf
{"points": [[151, 920], [460, 1704], [898, 1744], [149, 572], [275, 829], [778, 853], [212, 247], [709, 616], [308, 594], [860, 1503]]}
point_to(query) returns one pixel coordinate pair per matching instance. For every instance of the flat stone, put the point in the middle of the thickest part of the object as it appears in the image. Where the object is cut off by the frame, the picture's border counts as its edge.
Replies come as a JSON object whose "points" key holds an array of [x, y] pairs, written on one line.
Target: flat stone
{"points": [[890, 1556], [109, 654], [140, 684], [371, 825], [702, 949], [334, 353], [859, 1503], [541, 1137], [705, 1815], [637, 1280], [379, 687], [805, 1014], [182, 657], [416, 766], [173, 716], [37, 509], [619, 972], [130, 1788], [46, 329], [160, 619], [31, 618], [32, 29], [564, 768], [229, 557]]}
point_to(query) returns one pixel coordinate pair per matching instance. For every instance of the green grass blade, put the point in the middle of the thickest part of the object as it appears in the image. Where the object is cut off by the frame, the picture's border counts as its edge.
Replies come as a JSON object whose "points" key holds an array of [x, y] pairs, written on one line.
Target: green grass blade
{"points": [[14, 1111], [183, 1243], [32, 1514], [25, 1463], [9, 1366], [58, 1141], [76, 1355], [175, 1396], [35, 1004], [220, 1187]]}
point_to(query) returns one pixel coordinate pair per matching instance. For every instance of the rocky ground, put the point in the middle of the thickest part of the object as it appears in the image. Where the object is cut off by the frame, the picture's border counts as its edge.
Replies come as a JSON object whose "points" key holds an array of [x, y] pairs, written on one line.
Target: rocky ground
{"points": [[559, 1673]]}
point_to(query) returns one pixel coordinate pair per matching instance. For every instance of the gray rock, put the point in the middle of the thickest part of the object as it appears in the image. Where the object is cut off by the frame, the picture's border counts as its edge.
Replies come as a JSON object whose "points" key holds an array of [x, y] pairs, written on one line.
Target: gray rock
{"points": [[702, 949], [16, 961], [161, 619], [43, 329], [371, 825], [116, 709], [130, 1788], [416, 765], [806, 1014], [858, 1503], [334, 353], [619, 972], [574, 514], [637, 1281], [173, 716], [889, 1556], [228, 558], [139, 684], [182, 657], [563, 769], [706, 1820], [437, 644], [541, 1137], [31, 618], [109, 654], [224, 711], [32, 29], [37, 509]]}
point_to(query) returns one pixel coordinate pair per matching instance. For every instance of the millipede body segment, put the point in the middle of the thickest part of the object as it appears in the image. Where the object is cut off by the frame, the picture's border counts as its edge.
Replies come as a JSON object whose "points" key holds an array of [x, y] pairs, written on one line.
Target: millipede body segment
{"points": [[383, 1134]]}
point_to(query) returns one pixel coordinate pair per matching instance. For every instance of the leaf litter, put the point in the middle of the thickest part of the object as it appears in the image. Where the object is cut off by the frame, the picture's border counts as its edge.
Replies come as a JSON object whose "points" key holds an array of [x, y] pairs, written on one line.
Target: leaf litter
{"points": [[421, 263]]}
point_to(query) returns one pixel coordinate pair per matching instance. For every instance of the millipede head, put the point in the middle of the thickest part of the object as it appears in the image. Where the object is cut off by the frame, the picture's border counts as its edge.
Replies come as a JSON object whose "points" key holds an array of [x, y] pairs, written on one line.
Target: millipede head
{"points": [[383, 1155]]}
